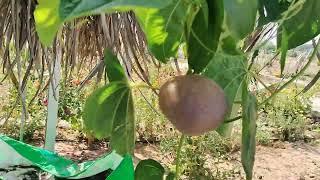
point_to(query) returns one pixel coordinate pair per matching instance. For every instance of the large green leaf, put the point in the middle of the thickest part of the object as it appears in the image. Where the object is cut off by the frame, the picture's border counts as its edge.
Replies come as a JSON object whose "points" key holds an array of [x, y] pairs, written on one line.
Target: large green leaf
{"points": [[149, 169], [302, 22], [109, 112], [228, 44], [114, 69], [164, 28], [51, 14], [123, 130], [249, 117], [204, 36], [229, 72], [240, 16], [271, 10], [70, 9]]}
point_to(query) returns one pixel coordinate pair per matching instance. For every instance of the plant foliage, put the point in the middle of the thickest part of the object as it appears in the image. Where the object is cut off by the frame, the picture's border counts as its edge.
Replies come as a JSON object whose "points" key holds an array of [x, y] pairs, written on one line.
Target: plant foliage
{"points": [[216, 34]]}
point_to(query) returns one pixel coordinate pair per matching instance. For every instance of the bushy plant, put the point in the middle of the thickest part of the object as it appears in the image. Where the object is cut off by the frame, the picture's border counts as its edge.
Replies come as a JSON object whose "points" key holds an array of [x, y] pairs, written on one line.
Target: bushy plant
{"points": [[70, 106], [286, 116], [198, 152], [36, 114]]}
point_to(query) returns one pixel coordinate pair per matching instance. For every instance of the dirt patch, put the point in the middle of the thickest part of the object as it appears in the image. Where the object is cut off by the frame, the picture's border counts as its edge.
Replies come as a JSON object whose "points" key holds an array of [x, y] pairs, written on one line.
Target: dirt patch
{"points": [[296, 161], [283, 161]]}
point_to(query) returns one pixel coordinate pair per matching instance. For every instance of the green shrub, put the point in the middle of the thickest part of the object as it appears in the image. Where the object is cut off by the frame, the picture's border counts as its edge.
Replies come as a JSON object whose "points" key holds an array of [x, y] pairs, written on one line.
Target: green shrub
{"points": [[286, 116], [199, 155], [36, 113], [264, 135], [70, 106]]}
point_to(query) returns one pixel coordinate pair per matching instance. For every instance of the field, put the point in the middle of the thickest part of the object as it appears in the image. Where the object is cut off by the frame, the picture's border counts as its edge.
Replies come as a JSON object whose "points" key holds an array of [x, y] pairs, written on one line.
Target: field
{"points": [[159, 90], [288, 132]]}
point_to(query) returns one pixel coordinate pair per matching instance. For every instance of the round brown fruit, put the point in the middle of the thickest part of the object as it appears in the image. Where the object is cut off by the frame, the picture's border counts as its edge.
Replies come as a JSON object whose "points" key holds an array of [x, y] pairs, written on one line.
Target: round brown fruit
{"points": [[194, 104]]}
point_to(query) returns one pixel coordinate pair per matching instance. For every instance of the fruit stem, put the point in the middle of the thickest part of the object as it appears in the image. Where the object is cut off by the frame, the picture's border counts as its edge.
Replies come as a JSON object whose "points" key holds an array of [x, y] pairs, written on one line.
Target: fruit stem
{"points": [[141, 85], [182, 137]]}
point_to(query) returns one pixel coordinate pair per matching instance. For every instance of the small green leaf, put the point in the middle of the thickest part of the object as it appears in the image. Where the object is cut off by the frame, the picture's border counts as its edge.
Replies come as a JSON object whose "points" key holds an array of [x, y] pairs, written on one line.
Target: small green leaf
{"points": [[284, 49], [302, 22], [249, 117], [170, 176], [114, 69], [149, 170], [240, 16], [47, 20], [109, 112], [204, 36], [164, 28]]}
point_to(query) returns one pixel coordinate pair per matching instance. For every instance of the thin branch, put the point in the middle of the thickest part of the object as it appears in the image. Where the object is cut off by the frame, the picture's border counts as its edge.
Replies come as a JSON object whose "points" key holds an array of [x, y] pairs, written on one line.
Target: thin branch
{"points": [[294, 77]]}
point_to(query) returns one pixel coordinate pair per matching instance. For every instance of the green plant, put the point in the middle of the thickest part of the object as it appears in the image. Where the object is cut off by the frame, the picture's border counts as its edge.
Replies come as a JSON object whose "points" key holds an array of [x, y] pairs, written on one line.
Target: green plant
{"points": [[197, 153], [36, 115], [219, 37], [287, 116], [264, 135], [151, 125], [70, 106]]}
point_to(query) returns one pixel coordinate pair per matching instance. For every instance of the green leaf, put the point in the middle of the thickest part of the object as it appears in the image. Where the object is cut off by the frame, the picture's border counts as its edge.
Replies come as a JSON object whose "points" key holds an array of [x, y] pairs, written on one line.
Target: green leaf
{"points": [[47, 20], [284, 48], [114, 69], [228, 44], [204, 36], [70, 9], [123, 130], [51, 14], [125, 170], [302, 22], [229, 72], [271, 10], [109, 112], [249, 117], [164, 28], [149, 169], [171, 176], [240, 16]]}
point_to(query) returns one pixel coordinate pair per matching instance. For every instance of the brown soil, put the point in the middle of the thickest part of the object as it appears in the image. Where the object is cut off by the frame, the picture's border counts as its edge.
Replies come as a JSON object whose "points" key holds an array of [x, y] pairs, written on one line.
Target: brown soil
{"points": [[281, 161], [296, 161]]}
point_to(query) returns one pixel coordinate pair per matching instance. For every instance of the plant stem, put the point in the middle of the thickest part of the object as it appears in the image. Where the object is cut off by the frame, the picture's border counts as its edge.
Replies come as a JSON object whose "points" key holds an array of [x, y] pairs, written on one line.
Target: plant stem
{"points": [[141, 85], [179, 156], [232, 120]]}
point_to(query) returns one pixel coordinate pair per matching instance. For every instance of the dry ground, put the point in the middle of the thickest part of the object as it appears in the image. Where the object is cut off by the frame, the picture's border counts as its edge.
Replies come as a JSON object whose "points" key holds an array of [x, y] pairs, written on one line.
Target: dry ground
{"points": [[281, 161]]}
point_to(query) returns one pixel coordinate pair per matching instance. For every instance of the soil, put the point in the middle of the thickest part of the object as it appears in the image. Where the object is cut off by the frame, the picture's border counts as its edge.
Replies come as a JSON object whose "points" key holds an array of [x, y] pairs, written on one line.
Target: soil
{"points": [[284, 161], [297, 161], [280, 161]]}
